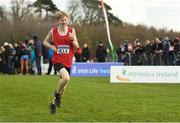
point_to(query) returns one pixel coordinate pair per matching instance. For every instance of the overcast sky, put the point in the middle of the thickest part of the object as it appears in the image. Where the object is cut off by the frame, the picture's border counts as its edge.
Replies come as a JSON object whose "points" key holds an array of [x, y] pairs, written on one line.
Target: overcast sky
{"points": [[157, 13]]}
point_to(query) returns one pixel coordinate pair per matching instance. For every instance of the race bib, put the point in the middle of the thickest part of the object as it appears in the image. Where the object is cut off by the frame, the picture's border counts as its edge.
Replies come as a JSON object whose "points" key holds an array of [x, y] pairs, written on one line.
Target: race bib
{"points": [[63, 49]]}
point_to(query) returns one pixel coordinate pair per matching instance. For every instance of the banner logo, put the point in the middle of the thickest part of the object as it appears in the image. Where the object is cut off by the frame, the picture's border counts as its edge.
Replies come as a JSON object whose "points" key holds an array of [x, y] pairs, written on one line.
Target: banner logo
{"points": [[145, 74]]}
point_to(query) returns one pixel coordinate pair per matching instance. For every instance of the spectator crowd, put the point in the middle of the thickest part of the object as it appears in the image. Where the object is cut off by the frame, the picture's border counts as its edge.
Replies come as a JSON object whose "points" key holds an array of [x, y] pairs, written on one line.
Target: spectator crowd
{"points": [[25, 57], [155, 52]]}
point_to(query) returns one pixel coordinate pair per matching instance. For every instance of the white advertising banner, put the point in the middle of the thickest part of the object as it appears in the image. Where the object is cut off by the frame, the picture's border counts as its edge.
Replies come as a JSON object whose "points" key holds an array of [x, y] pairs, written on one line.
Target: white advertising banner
{"points": [[145, 74]]}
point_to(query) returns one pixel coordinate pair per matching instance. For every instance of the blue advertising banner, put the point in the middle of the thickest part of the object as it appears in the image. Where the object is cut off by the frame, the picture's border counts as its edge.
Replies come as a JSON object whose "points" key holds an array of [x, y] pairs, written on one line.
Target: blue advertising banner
{"points": [[93, 69]]}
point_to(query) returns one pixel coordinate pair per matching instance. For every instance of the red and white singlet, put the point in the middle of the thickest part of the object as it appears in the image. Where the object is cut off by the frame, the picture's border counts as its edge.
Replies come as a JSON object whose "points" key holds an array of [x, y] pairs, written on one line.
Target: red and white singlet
{"points": [[64, 47]]}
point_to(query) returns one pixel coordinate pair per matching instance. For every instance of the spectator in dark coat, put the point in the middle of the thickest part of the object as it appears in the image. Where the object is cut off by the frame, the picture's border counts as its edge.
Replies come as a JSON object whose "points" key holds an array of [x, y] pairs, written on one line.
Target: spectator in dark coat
{"points": [[148, 52], [101, 53], [38, 53], [8, 58], [166, 46], [85, 53], [158, 51], [2, 59]]}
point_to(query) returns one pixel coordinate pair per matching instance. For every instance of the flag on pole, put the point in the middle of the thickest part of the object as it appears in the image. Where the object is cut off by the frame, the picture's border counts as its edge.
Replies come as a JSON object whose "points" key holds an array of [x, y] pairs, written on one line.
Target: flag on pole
{"points": [[108, 30]]}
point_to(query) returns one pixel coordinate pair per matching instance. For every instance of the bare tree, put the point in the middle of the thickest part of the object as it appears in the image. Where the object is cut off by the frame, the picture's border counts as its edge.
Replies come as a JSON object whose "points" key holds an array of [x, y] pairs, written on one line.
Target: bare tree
{"points": [[74, 9], [19, 9], [2, 14]]}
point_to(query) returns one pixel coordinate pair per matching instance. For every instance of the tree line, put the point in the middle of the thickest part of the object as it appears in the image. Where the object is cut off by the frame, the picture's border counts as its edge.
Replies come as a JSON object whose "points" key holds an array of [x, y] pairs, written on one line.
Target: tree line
{"points": [[24, 19]]}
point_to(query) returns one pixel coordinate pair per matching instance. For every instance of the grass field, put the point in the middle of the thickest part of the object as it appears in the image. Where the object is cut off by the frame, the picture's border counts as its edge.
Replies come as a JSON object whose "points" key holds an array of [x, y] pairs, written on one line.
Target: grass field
{"points": [[26, 98]]}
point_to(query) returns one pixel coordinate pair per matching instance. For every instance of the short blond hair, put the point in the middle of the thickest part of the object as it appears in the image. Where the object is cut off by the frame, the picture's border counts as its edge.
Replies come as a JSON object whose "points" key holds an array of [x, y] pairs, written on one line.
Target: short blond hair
{"points": [[61, 14]]}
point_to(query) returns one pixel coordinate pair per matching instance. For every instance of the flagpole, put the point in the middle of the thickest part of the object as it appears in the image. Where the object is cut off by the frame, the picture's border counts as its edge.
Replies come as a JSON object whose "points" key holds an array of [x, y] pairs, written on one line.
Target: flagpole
{"points": [[108, 30]]}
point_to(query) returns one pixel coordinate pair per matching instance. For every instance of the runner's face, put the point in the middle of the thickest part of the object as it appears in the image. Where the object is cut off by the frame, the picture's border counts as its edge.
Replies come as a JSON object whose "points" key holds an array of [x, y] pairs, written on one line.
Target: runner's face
{"points": [[63, 21]]}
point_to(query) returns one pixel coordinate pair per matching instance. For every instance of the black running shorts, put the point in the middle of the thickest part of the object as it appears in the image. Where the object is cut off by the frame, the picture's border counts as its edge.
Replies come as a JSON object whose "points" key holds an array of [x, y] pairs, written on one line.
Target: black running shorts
{"points": [[59, 66]]}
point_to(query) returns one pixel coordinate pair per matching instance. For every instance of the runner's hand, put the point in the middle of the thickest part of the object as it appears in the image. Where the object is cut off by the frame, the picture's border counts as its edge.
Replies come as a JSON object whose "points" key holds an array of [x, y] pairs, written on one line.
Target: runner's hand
{"points": [[54, 48], [71, 36]]}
